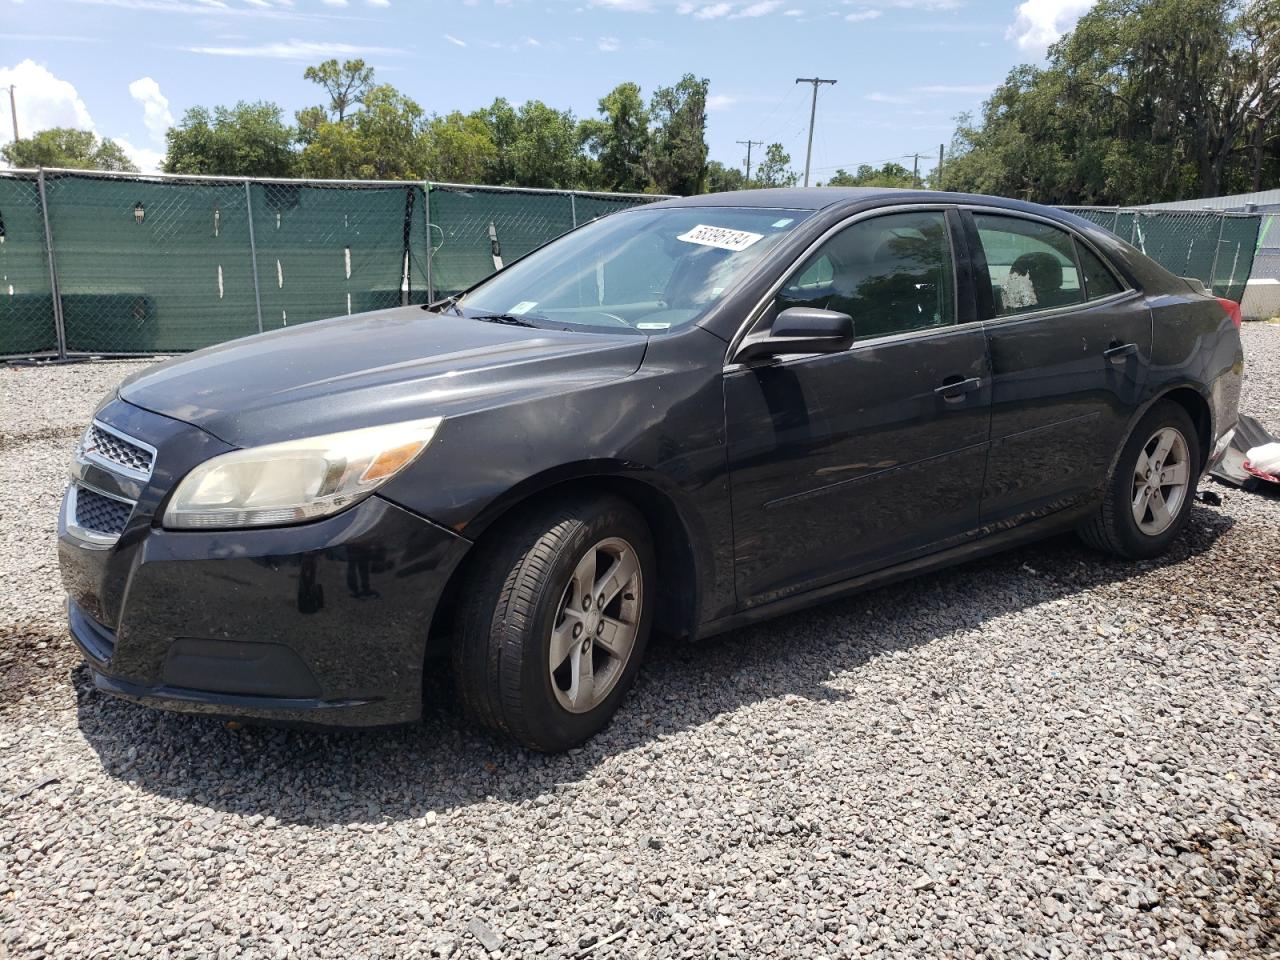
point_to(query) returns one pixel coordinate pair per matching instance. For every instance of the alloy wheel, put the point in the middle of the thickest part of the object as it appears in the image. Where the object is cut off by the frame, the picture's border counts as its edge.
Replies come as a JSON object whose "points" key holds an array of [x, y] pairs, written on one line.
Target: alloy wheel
{"points": [[1161, 480], [596, 625]]}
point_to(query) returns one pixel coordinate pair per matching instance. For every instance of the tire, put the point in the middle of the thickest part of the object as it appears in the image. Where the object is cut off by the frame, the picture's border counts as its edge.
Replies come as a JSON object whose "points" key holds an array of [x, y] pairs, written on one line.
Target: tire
{"points": [[1115, 528], [524, 594]]}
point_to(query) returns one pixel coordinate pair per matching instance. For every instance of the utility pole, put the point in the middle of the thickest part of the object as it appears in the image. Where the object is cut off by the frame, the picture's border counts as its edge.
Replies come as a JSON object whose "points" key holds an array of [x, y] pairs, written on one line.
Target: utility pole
{"points": [[748, 144], [941, 185], [813, 111], [13, 109], [915, 168]]}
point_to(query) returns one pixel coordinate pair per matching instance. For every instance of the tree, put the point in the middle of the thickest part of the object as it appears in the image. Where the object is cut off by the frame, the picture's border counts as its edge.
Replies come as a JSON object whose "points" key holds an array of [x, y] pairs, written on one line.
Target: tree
{"points": [[1145, 100], [890, 175], [67, 147], [247, 140], [460, 148], [677, 155], [721, 178], [346, 85], [386, 140], [621, 139], [775, 169]]}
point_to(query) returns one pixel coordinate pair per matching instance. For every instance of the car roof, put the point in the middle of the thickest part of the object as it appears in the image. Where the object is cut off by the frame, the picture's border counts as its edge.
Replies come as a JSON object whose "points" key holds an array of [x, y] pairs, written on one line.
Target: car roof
{"points": [[850, 198]]}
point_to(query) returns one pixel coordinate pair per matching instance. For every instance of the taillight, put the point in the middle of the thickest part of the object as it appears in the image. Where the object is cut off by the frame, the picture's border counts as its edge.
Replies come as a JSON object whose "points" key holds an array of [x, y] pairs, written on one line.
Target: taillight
{"points": [[1232, 308]]}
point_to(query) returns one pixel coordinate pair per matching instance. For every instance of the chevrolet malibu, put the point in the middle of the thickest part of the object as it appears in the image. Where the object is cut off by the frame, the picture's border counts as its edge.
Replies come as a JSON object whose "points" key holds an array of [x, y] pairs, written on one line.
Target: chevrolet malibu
{"points": [[684, 417]]}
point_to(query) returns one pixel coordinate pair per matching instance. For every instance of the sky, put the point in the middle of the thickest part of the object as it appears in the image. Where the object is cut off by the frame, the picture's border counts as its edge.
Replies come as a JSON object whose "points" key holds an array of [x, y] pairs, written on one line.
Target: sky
{"points": [[126, 69]]}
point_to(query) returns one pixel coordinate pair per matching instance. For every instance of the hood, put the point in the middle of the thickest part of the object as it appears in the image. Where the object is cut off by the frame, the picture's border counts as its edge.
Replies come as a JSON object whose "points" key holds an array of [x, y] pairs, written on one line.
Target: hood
{"points": [[373, 368]]}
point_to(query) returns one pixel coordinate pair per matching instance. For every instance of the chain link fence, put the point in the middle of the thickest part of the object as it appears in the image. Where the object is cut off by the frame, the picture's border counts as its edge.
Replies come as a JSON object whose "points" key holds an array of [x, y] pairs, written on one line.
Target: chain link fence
{"points": [[94, 264], [1214, 246], [97, 264]]}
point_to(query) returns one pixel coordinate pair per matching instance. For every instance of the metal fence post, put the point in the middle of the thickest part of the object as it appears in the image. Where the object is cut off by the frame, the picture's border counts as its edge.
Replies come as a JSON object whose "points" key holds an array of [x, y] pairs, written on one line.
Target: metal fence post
{"points": [[1213, 270], [573, 208], [59, 326], [426, 210], [253, 251]]}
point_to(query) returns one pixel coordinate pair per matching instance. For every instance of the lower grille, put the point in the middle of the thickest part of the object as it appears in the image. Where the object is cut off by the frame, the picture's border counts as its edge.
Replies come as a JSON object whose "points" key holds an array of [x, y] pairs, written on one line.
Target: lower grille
{"points": [[101, 514]]}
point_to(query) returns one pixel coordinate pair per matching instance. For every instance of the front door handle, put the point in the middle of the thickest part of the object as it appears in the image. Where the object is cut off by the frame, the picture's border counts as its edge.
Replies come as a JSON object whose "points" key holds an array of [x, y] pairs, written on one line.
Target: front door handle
{"points": [[1118, 351], [953, 389]]}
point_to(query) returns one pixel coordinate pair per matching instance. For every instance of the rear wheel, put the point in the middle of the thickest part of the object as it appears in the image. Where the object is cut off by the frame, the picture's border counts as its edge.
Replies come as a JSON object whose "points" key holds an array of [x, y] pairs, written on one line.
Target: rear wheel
{"points": [[555, 621], [1149, 493]]}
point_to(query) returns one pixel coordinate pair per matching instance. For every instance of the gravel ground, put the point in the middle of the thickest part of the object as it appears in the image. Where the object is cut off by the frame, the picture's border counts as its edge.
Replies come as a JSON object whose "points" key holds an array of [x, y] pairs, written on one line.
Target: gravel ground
{"points": [[1047, 753]]}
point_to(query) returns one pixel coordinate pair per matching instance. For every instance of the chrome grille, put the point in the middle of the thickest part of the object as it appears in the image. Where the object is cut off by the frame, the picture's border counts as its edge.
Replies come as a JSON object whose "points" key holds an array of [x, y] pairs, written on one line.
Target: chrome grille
{"points": [[100, 514], [117, 451]]}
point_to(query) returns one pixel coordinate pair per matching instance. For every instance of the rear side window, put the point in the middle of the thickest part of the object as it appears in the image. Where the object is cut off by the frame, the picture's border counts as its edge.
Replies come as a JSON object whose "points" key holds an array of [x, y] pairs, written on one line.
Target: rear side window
{"points": [[1032, 264], [1098, 280]]}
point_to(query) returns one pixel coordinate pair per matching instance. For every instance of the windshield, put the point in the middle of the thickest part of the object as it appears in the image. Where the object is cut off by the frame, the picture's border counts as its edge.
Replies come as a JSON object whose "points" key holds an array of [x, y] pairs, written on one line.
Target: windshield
{"points": [[645, 270]]}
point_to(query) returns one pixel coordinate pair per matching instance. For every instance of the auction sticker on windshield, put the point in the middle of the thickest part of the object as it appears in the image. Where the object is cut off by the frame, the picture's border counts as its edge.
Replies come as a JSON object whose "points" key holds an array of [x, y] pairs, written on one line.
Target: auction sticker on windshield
{"points": [[721, 237]]}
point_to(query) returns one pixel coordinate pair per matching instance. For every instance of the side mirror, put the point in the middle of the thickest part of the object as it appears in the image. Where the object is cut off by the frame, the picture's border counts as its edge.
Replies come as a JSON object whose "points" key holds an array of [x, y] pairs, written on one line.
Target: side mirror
{"points": [[799, 330]]}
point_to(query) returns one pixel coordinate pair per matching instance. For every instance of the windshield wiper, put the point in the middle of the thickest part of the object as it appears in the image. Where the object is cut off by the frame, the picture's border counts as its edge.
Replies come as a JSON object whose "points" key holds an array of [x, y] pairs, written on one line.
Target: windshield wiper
{"points": [[440, 306], [510, 319]]}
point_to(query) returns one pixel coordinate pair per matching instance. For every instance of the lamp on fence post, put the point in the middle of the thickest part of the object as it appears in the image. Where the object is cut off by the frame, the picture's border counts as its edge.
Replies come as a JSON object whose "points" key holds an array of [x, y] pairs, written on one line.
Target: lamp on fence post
{"points": [[139, 212]]}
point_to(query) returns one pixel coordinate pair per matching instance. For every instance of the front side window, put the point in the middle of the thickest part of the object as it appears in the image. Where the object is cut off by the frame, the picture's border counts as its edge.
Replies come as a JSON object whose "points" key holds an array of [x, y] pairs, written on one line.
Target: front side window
{"points": [[892, 274], [1032, 264], [644, 270]]}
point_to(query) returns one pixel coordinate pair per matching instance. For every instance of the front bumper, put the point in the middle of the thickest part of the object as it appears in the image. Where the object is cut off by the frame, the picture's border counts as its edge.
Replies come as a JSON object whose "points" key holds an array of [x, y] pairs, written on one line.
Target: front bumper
{"points": [[320, 623]]}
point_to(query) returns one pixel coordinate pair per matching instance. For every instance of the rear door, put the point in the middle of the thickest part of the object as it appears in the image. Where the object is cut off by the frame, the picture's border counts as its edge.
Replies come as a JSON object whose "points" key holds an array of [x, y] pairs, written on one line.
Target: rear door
{"points": [[1070, 352], [848, 462]]}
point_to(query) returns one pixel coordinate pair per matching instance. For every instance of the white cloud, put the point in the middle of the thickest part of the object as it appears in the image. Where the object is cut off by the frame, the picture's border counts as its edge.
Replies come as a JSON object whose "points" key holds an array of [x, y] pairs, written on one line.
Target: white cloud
{"points": [[454, 40], [711, 12], [378, 3], [334, 3], [630, 6], [859, 15], [1041, 22], [886, 98], [43, 101], [793, 13], [294, 50], [759, 9], [720, 101], [155, 107], [608, 45], [145, 159]]}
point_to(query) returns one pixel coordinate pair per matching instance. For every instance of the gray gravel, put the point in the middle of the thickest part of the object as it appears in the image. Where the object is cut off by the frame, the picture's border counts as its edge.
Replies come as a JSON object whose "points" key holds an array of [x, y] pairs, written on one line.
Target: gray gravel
{"points": [[1047, 753]]}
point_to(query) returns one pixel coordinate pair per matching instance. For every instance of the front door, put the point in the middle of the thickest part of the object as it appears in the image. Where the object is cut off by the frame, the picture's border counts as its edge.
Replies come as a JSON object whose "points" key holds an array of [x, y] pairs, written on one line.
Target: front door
{"points": [[1070, 349], [845, 463]]}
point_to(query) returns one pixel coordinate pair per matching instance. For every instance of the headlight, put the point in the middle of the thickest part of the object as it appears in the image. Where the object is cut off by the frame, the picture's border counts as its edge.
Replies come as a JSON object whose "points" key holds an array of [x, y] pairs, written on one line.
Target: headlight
{"points": [[295, 480]]}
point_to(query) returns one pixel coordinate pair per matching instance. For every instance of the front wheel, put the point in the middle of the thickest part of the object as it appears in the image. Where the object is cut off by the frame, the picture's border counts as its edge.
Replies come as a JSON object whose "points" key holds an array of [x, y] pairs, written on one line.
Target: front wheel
{"points": [[1148, 496], [555, 621]]}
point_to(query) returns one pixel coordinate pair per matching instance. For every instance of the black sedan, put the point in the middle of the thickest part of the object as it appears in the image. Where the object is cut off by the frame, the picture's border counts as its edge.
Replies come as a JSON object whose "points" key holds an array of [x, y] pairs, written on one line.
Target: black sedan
{"points": [[685, 417]]}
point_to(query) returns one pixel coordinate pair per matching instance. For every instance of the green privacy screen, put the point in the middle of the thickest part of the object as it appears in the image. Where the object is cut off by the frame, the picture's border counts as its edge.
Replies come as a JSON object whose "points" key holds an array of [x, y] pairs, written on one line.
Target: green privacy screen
{"points": [[1216, 248], [26, 307], [150, 265]]}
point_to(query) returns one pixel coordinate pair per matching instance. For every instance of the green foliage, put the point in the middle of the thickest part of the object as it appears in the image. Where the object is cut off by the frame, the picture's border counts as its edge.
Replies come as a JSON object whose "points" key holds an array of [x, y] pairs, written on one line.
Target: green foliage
{"points": [[676, 157], [721, 178], [67, 147], [249, 139], [890, 175], [346, 85], [459, 149], [621, 139], [1145, 100], [775, 169]]}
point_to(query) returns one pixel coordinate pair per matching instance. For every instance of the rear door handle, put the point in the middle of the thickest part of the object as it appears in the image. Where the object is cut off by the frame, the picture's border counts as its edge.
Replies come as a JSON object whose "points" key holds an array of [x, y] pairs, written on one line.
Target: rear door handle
{"points": [[953, 389], [1118, 351]]}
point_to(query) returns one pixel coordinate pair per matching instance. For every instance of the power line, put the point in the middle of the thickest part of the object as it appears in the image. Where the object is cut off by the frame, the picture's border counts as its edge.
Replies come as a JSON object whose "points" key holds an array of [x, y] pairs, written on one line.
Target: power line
{"points": [[813, 112], [747, 144]]}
